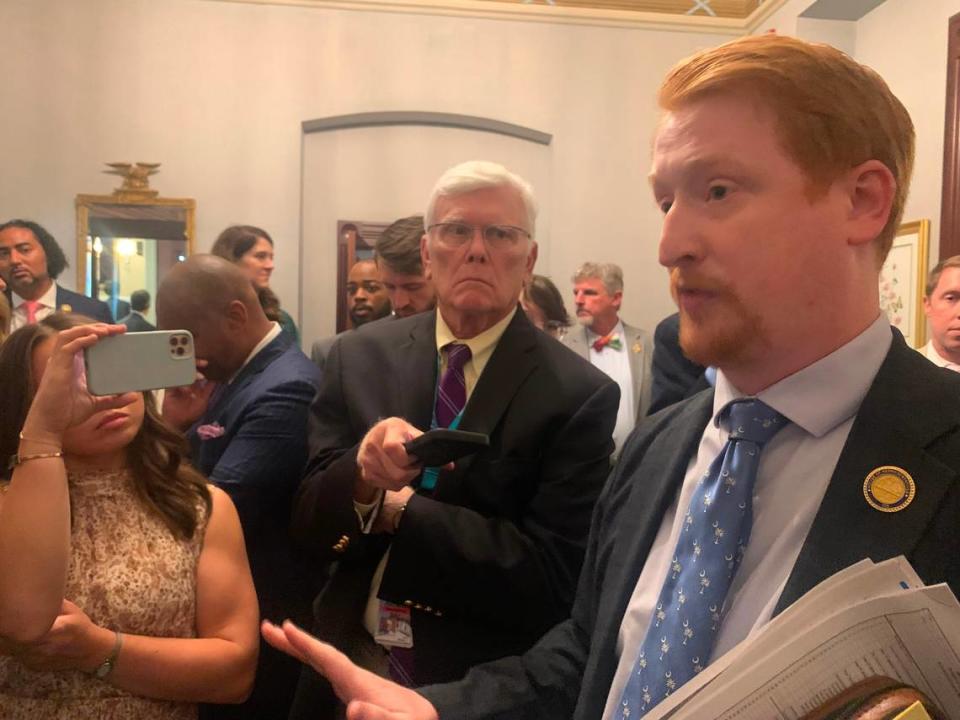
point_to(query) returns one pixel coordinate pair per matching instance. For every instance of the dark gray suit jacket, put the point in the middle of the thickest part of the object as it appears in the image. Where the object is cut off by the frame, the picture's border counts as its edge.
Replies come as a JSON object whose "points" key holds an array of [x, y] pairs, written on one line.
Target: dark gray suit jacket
{"points": [[910, 418]]}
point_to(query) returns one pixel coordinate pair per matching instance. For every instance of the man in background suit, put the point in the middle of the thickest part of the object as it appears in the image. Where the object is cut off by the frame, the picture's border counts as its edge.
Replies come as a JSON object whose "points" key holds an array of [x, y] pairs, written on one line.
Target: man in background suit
{"points": [[367, 301], [30, 262], [674, 376], [941, 304], [782, 169], [137, 321], [249, 436], [600, 336], [483, 556], [397, 253]]}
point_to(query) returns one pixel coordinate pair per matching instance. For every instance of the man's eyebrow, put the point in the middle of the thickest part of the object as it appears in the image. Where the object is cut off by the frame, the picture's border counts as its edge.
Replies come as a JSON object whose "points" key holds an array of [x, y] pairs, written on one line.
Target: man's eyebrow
{"points": [[699, 166]]}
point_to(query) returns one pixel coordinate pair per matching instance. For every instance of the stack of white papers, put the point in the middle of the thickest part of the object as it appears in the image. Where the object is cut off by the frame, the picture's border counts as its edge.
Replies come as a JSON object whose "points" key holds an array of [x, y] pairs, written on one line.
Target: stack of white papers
{"points": [[867, 620]]}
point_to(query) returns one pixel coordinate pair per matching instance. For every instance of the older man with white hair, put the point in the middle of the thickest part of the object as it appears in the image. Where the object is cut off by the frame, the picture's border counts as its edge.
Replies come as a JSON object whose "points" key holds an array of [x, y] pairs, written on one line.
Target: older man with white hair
{"points": [[471, 561]]}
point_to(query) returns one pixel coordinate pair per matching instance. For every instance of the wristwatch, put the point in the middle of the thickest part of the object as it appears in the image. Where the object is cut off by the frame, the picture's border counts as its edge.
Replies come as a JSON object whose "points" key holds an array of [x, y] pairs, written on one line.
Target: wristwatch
{"points": [[106, 667]]}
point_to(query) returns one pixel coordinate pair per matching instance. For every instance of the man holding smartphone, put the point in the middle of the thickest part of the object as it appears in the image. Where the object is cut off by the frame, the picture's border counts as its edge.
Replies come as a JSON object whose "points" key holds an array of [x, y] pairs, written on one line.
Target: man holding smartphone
{"points": [[442, 568], [248, 435], [781, 169]]}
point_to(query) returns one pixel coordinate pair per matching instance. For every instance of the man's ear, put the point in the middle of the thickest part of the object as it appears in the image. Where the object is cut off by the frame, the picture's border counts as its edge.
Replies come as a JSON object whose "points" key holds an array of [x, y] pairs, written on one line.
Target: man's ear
{"points": [[425, 256], [618, 299], [870, 187], [237, 314], [532, 258]]}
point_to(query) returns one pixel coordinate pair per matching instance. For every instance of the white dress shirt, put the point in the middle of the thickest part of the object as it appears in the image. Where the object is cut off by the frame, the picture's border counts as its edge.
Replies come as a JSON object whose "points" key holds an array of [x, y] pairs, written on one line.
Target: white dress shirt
{"points": [[616, 364], [47, 306], [821, 401], [930, 352]]}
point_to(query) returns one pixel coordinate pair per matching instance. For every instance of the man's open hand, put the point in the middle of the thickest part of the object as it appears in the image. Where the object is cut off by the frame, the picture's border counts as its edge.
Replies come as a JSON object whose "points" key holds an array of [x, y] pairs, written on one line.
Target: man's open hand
{"points": [[367, 696]]}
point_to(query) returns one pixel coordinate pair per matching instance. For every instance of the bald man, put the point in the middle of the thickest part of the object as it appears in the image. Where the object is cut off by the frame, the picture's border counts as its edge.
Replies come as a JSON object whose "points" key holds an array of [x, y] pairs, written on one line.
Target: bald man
{"points": [[248, 435]]}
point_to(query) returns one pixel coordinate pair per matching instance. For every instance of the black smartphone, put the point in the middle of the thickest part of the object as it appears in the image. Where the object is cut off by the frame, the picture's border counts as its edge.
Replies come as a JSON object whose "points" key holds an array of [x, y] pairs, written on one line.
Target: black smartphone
{"points": [[439, 446]]}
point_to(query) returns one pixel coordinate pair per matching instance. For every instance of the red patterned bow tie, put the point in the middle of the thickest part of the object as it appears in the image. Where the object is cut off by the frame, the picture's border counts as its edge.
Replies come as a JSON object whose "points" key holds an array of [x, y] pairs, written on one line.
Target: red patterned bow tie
{"points": [[612, 341]]}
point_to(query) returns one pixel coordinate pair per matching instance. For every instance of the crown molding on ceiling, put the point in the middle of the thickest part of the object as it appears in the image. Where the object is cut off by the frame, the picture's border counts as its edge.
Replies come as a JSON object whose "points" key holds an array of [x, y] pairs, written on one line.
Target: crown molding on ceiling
{"points": [[545, 13]]}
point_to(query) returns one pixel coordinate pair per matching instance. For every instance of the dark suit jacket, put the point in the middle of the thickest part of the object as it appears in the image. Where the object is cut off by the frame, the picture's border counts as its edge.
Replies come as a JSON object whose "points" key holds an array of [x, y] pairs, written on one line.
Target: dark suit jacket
{"points": [[489, 559], [258, 461], [675, 377], [910, 418], [137, 323], [75, 302]]}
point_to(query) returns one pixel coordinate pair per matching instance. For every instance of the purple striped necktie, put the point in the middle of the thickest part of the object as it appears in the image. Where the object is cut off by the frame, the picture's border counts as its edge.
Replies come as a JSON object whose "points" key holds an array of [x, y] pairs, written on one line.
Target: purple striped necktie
{"points": [[452, 392]]}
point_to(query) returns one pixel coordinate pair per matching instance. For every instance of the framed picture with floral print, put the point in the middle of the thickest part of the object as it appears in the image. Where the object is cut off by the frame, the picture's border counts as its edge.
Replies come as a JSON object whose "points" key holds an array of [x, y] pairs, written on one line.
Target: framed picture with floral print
{"points": [[902, 280]]}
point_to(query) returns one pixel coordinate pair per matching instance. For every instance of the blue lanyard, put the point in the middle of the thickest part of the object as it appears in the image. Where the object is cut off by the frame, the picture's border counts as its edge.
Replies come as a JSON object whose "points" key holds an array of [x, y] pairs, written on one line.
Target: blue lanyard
{"points": [[428, 478]]}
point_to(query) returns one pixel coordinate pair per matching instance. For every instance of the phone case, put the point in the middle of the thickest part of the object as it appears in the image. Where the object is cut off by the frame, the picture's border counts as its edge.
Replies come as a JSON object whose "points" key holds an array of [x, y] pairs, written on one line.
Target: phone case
{"points": [[440, 446], [140, 361]]}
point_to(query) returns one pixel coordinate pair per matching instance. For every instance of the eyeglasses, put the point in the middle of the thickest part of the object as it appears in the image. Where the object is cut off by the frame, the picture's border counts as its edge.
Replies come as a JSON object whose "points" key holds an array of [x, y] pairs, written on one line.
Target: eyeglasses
{"points": [[455, 235]]}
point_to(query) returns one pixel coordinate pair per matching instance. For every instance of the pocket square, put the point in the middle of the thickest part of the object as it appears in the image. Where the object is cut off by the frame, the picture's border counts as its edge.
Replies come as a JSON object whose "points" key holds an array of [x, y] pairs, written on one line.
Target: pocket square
{"points": [[211, 431]]}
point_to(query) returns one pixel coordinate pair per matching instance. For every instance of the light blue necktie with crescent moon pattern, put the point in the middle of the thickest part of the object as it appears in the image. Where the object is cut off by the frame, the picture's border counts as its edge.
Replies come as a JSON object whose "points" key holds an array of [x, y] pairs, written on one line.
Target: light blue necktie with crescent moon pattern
{"points": [[716, 529]]}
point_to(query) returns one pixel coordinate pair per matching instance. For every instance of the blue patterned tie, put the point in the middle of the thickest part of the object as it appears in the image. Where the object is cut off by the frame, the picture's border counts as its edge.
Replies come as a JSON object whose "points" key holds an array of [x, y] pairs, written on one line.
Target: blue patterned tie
{"points": [[716, 529]]}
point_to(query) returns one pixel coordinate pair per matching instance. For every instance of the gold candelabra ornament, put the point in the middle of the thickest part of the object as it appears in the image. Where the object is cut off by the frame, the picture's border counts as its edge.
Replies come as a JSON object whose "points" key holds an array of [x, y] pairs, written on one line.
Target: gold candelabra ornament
{"points": [[136, 182]]}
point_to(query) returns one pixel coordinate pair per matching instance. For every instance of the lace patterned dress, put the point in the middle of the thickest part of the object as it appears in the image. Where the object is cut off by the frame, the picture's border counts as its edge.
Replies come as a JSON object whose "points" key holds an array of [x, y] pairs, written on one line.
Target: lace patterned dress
{"points": [[128, 573]]}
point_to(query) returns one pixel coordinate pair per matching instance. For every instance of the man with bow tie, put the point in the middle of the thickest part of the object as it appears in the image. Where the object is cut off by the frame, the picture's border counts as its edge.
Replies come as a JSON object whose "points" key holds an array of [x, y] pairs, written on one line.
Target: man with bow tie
{"points": [[622, 351]]}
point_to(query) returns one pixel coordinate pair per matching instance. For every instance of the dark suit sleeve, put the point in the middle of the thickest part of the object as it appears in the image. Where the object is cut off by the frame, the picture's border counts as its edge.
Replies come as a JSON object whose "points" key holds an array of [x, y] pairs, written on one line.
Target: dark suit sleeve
{"points": [[545, 682], [103, 313], [673, 374], [521, 572], [323, 511], [267, 453]]}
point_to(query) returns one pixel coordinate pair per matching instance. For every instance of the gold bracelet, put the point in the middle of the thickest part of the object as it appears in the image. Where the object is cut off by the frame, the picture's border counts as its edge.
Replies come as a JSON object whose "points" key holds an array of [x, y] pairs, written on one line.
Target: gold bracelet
{"points": [[19, 459], [38, 442]]}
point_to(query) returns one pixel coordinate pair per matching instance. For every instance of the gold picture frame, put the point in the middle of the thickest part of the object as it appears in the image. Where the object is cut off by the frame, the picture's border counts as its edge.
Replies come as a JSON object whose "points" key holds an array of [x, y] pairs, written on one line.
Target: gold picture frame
{"points": [[902, 280]]}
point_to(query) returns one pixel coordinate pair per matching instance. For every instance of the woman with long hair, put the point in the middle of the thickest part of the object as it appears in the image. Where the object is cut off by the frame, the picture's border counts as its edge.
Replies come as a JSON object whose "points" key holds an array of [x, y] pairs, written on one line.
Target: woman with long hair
{"points": [[543, 304], [251, 248], [124, 586]]}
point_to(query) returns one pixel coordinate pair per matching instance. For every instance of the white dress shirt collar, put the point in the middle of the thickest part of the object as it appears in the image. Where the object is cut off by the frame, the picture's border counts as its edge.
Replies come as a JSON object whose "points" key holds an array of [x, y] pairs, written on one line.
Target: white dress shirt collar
{"points": [[930, 352], [266, 340], [47, 306], [822, 395], [47, 300]]}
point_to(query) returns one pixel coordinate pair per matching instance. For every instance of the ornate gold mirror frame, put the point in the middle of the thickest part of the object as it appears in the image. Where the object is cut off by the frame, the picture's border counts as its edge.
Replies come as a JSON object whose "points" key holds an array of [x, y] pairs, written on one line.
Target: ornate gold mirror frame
{"points": [[127, 241]]}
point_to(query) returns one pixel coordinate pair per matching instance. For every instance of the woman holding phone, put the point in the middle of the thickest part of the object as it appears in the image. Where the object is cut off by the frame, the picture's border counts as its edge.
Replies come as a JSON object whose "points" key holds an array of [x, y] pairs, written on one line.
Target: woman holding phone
{"points": [[124, 585]]}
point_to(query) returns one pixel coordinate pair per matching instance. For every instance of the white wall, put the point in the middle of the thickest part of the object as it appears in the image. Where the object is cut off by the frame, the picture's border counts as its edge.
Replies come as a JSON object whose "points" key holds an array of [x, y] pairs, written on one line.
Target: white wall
{"points": [[909, 49], [217, 91]]}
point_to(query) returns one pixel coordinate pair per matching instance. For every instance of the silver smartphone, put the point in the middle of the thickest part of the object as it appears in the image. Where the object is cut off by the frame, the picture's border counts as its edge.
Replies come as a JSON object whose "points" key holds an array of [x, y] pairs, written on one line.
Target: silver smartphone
{"points": [[140, 361]]}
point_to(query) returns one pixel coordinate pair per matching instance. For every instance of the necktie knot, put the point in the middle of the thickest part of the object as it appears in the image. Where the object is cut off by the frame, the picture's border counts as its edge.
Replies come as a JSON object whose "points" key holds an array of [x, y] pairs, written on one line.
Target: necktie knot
{"points": [[752, 420], [30, 306], [458, 355]]}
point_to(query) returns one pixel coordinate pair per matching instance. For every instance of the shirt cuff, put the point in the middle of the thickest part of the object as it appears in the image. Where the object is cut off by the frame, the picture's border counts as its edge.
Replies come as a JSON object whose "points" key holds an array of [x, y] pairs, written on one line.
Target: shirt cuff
{"points": [[367, 513]]}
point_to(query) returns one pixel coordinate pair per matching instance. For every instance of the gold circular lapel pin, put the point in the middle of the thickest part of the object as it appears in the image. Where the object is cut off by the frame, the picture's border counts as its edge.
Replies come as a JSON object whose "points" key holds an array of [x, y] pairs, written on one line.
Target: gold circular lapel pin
{"points": [[889, 489]]}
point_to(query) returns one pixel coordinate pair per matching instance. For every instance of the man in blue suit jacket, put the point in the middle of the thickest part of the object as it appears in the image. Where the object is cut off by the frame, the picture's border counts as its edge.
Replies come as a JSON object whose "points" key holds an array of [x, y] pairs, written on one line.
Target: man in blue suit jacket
{"points": [[30, 261], [249, 436], [781, 169]]}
